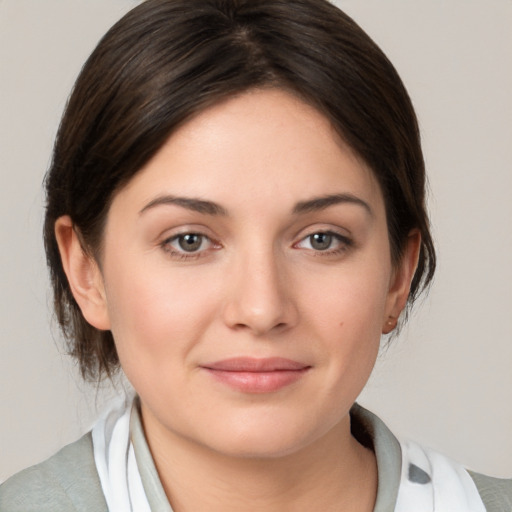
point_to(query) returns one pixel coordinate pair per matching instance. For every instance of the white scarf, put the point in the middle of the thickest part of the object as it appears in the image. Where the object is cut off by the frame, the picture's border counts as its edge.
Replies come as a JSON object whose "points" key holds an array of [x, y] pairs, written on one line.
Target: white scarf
{"points": [[115, 460], [429, 483]]}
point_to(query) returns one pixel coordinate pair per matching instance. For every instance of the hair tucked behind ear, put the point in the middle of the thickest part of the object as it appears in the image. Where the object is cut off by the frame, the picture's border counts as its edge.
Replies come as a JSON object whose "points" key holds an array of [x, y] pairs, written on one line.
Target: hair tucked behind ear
{"points": [[169, 59]]}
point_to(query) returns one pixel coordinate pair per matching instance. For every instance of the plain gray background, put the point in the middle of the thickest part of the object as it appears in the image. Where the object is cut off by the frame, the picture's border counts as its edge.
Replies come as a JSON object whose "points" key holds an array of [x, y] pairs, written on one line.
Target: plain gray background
{"points": [[447, 382]]}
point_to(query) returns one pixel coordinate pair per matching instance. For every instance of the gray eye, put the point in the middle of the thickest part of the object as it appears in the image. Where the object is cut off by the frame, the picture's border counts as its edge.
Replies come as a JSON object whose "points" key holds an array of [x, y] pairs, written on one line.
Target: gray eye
{"points": [[190, 242], [320, 241]]}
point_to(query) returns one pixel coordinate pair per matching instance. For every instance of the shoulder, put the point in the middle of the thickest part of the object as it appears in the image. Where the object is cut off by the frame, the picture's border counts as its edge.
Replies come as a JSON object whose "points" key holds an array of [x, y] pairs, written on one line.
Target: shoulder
{"points": [[68, 481], [409, 472], [496, 493]]}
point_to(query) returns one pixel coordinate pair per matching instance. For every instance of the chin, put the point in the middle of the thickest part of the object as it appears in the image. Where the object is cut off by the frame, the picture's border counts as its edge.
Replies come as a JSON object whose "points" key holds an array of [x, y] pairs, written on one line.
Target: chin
{"points": [[258, 447], [266, 438]]}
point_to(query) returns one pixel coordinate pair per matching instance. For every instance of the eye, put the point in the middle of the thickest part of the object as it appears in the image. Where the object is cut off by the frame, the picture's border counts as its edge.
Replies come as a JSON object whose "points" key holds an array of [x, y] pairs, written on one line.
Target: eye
{"points": [[188, 244], [321, 241], [325, 241], [191, 242]]}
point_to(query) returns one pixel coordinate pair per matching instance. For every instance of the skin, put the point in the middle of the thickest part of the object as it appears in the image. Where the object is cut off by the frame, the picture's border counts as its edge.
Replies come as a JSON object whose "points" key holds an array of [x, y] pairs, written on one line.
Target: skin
{"points": [[258, 285]]}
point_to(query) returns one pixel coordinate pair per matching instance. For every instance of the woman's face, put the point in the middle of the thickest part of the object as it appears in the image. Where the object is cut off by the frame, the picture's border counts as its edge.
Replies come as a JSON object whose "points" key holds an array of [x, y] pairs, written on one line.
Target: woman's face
{"points": [[247, 278]]}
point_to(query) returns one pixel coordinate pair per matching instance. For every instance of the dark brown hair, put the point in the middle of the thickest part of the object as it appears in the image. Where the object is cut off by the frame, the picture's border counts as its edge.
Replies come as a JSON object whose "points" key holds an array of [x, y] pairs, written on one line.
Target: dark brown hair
{"points": [[169, 59]]}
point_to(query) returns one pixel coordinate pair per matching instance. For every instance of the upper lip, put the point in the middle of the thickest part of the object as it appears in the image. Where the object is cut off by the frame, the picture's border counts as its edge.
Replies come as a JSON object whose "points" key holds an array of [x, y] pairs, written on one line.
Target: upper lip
{"points": [[254, 364]]}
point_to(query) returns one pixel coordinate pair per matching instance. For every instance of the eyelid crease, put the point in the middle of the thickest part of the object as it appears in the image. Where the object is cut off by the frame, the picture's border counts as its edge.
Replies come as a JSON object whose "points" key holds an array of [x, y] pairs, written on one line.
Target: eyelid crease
{"points": [[323, 227]]}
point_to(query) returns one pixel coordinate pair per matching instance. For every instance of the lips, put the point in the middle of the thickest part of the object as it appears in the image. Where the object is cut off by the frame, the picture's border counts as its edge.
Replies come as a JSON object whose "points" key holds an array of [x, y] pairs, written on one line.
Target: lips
{"points": [[254, 375]]}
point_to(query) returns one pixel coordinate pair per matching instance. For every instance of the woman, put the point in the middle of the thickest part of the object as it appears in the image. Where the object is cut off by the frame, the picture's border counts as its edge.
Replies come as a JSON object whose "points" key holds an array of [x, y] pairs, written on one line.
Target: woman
{"points": [[235, 215]]}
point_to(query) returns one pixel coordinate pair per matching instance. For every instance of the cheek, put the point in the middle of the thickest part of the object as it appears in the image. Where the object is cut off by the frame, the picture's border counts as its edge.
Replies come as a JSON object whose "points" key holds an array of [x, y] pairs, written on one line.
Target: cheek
{"points": [[155, 312], [347, 314], [352, 299]]}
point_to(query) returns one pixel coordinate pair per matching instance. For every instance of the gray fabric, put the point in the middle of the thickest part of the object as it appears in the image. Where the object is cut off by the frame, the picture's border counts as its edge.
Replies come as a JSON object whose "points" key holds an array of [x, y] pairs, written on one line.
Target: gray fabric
{"points": [[155, 493], [68, 482], [371, 431], [496, 493]]}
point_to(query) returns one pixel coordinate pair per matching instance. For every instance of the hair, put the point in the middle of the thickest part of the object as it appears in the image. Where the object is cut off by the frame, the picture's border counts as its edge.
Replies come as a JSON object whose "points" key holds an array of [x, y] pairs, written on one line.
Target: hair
{"points": [[167, 60]]}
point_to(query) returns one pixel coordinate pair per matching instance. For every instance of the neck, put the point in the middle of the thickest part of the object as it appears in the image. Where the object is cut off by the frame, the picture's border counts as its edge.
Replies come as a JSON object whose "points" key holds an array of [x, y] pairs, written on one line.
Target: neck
{"points": [[334, 473]]}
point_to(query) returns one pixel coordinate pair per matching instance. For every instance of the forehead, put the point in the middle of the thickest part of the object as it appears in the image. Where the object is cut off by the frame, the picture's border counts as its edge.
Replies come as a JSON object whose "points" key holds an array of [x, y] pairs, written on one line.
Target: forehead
{"points": [[260, 146]]}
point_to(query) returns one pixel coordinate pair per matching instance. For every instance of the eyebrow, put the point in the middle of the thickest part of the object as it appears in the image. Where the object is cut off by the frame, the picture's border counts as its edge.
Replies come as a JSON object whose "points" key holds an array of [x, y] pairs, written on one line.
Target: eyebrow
{"points": [[321, 203], [190, 203], [211, 208]]}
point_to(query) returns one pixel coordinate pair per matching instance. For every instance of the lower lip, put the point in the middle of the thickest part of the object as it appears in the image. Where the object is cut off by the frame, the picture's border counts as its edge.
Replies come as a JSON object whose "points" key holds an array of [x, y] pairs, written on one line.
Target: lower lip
{"points": [[257, 382]]}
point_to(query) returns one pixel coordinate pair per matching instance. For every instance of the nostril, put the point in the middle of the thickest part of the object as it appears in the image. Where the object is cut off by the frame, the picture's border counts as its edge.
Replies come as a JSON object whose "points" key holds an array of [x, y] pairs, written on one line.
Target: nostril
{"points": [[262, 329], [261, 309]]}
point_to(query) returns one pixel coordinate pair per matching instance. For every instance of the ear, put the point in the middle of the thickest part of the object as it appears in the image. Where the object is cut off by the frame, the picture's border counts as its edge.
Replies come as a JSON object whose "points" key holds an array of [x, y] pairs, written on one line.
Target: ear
{"points": [[400, 284], [83, 273]]}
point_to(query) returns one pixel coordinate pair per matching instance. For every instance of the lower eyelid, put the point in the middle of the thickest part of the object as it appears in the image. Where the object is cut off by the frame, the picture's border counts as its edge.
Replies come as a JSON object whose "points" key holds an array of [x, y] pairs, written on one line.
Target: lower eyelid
{"points": [[180, 254]]}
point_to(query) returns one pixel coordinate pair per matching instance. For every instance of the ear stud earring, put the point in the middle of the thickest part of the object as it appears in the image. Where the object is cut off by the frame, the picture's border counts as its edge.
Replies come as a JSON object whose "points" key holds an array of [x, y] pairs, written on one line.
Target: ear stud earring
{"points": [[390, 324]]}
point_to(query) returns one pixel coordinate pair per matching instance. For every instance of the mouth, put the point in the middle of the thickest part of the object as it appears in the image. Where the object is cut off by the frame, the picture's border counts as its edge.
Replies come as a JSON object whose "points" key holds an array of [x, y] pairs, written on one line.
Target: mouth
{"points": [[255, 375]]}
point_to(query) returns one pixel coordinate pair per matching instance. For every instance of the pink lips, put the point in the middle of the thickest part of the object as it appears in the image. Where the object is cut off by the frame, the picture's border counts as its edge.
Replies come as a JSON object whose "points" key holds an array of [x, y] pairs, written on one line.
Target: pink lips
{"points": [[253, 375]]}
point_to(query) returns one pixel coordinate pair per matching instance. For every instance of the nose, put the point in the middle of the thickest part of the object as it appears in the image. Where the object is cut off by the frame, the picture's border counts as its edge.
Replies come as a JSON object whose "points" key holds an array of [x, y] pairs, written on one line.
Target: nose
{"points": [[260, 296]]}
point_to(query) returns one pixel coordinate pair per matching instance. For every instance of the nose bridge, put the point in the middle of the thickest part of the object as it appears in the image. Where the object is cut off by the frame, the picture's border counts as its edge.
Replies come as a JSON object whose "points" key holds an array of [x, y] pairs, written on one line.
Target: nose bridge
{"points": [[260, 299]]}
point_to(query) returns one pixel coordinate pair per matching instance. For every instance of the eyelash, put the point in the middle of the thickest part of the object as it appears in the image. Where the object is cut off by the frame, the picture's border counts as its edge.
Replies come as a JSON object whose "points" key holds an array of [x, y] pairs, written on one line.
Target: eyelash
{"points": [[344, 242], [184, 255]]}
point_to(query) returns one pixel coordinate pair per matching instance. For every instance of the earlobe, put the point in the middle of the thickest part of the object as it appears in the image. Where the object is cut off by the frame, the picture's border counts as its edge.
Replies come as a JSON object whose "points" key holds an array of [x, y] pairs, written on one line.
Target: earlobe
{"points": [[400, 285], [83, 273]]}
